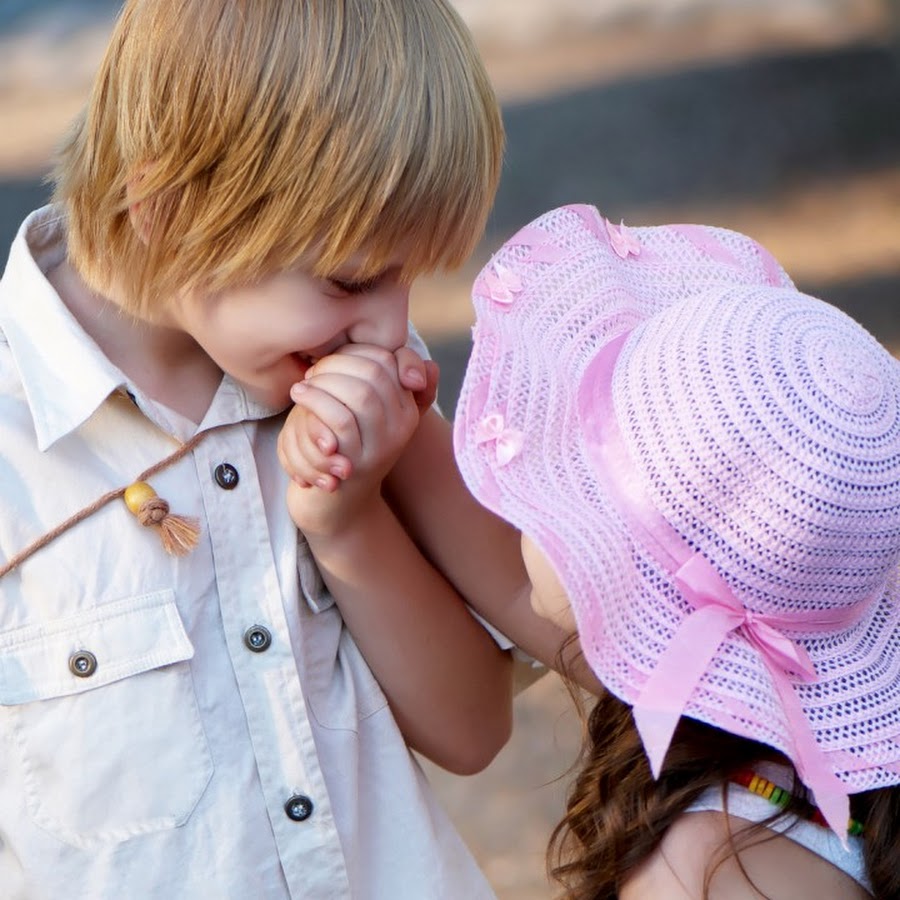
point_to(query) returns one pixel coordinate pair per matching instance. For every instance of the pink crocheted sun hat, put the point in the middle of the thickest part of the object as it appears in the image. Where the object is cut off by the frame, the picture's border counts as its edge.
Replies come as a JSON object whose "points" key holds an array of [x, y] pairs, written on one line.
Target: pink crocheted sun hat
{"points": [[711, 462]]}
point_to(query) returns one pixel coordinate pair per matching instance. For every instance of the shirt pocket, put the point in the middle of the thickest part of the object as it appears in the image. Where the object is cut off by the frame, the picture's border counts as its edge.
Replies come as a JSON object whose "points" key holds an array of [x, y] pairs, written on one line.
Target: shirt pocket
{"points": [[339, 685], [105, 720]]}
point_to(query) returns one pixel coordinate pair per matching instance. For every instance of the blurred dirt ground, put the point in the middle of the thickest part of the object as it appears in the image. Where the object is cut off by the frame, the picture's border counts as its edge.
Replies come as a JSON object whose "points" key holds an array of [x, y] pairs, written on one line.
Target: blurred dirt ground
{"points": [[506, 812], [777, 119]]}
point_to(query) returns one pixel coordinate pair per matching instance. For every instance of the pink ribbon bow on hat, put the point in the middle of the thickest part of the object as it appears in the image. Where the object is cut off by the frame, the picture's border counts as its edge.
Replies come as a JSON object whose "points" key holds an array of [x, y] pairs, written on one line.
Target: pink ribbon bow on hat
{"points": [[507, 441], [717, 612], [502, 284]]}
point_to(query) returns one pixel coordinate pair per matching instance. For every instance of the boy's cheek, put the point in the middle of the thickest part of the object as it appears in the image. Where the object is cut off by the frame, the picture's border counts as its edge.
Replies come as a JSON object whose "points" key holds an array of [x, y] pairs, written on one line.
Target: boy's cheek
{"points": [[274, 395]]}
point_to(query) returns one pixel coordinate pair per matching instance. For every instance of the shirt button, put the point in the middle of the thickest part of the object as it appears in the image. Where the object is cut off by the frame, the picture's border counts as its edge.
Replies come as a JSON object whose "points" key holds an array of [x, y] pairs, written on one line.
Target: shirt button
{"points": [[299, 807], [226, 476], [83, 663], [258, 638]]}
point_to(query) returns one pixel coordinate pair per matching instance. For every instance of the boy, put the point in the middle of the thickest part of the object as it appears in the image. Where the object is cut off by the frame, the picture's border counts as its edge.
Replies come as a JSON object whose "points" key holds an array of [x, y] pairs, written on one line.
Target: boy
{"points": [[251, 189]]}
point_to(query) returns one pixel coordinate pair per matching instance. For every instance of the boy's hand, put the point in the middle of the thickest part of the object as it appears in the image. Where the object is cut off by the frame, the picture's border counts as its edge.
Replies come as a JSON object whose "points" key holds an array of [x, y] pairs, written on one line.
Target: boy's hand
{"points": [[323, 465], [357, 396]]}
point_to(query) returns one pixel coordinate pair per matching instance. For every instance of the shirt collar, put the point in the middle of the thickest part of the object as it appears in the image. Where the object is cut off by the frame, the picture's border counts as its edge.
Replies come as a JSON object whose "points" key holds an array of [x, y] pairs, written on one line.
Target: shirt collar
{"points": [[64, 374]]}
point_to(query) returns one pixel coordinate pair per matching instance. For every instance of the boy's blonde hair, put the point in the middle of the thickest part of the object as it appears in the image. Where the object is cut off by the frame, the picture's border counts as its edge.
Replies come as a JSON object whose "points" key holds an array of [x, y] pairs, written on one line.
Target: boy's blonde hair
{"points": [[249, 136]]}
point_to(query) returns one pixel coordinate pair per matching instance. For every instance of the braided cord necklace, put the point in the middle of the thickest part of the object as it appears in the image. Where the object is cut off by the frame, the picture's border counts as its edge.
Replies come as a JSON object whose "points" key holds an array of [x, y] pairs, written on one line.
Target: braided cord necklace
{"points": [[178, 534]]}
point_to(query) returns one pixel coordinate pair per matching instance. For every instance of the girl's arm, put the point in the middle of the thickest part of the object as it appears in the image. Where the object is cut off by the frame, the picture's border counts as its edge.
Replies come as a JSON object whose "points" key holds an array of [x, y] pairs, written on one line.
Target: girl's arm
{"points": [[478, 552], [448, 683]]}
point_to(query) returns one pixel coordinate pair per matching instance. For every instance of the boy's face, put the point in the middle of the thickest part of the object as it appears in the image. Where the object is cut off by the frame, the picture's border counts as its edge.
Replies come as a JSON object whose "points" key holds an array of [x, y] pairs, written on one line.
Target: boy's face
{"points": [[266, 335]]}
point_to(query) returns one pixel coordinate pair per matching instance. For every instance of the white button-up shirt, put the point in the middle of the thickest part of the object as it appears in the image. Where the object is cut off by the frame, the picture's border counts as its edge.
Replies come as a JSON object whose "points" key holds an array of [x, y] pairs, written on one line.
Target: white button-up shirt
{"points": [[192, 761]]}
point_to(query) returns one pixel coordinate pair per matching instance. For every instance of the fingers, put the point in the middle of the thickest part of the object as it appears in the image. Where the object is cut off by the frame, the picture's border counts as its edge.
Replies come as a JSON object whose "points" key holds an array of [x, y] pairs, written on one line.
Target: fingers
{"points": [[412, 372], [426, 397], [411, 369], [366, 380], [363, 360], [415, 374], [319, 433], [330, 409], [418, 375], [353, 403], [298, 463], [300, 444]]}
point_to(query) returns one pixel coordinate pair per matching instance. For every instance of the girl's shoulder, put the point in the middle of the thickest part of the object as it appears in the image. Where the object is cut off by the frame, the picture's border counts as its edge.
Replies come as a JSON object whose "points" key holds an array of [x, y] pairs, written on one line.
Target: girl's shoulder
{"points": [[772, 865]]}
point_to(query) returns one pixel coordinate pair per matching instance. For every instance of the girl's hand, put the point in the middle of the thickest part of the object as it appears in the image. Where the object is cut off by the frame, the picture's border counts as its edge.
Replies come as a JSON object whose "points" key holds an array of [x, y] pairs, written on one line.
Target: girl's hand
{"points": [[323, 466], [420, 376], [357, 396]]}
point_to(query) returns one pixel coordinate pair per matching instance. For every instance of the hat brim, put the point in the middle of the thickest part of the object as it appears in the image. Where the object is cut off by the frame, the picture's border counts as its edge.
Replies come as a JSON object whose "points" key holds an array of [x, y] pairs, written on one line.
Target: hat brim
{"points": [[530, 348]]}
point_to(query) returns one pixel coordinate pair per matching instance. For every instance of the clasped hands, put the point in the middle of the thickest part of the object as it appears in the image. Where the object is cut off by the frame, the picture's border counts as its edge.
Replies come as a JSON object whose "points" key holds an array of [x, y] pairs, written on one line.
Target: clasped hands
{"points": [[354, 414]]}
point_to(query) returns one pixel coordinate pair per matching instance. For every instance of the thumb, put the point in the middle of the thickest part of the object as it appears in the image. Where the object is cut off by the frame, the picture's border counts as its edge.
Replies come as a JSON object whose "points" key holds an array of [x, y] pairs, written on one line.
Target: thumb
{"points": [[426, 397]]}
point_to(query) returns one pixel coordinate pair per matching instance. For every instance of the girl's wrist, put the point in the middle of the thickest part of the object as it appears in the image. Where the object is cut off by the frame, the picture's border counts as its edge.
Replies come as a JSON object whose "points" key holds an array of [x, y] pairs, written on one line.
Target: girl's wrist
{"points": [[345, 534]]}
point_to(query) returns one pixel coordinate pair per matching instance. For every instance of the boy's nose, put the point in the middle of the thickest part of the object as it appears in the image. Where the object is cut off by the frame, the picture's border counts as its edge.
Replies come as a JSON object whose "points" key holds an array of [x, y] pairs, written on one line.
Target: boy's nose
{"points": [[385, 319]]}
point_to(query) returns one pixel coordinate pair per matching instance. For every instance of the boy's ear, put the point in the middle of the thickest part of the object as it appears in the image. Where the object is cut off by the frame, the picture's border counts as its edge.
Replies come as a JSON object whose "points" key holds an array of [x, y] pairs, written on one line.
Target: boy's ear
{"points": [[140, 212], [138, 221]]}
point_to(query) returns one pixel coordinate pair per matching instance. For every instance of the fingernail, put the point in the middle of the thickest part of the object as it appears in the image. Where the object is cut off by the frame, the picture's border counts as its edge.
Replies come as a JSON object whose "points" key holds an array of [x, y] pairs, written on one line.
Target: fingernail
{"points": [[338, 472], [324, 445], [414, 378], [322, 482], [297, 389]]}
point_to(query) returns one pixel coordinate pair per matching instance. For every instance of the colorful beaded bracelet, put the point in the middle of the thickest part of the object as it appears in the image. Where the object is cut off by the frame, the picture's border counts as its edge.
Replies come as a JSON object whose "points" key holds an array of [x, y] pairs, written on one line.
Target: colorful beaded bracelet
{"points": [[780, 797]]}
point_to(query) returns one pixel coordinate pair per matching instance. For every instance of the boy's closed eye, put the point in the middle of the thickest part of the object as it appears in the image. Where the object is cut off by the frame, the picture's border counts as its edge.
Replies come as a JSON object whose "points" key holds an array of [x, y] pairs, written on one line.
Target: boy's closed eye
{"points": [[348, 286]]}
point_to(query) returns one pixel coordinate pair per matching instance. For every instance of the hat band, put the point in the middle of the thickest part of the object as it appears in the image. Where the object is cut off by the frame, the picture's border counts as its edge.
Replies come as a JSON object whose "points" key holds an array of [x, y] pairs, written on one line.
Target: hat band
{"points": [[717, 612]]}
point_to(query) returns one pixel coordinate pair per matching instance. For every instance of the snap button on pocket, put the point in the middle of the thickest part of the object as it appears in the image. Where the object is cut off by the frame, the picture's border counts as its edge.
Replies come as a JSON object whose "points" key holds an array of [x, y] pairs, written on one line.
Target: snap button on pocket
{"points": [[82, 663]]}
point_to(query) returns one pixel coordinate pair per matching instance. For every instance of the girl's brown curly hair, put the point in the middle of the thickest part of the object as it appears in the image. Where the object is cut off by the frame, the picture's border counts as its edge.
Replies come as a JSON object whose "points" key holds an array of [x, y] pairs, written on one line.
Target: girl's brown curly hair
{"points": [[617, 813]]}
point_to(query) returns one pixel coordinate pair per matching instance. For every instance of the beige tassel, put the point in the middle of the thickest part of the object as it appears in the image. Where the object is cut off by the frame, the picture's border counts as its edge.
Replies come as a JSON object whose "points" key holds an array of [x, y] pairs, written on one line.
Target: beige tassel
{"points": [[179, 534]]}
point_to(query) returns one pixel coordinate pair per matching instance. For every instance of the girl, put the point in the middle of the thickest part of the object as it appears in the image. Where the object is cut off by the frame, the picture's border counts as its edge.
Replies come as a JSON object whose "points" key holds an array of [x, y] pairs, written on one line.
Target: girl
{"points": [[705, 467]]}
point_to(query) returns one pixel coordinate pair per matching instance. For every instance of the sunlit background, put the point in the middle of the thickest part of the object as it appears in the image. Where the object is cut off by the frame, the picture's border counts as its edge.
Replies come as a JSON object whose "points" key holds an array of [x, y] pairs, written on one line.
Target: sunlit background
{"points": [[780, 118]]}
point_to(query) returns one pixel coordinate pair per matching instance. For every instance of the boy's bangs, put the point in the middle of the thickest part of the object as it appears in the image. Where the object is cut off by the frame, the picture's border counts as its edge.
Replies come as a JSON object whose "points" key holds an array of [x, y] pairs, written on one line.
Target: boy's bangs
{"points": [[425, 203], [404, 163], [430, 221]]}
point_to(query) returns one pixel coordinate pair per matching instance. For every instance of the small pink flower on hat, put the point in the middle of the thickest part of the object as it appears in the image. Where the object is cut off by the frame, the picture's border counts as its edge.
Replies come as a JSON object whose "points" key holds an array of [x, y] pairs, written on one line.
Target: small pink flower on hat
{"points": [[502, 283], [622, 240], [507, 441]]}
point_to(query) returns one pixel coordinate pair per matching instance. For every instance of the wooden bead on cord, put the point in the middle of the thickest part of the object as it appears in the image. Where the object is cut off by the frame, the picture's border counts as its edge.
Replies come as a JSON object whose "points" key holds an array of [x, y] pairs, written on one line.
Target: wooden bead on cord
{"points": [[179, 534]]}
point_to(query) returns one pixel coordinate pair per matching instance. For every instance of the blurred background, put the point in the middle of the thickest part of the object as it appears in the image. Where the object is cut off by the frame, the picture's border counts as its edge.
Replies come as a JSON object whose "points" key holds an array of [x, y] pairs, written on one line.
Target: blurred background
{"points": [[779, 118]]}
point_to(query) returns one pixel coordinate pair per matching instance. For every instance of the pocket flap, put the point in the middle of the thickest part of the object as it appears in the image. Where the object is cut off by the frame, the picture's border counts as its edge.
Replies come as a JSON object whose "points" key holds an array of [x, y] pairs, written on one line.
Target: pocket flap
{"points": [[124, 638]]}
